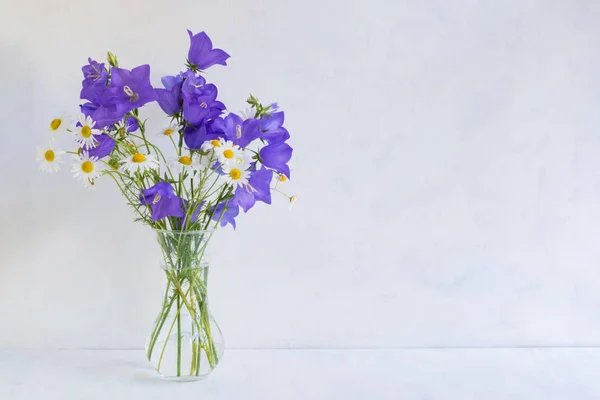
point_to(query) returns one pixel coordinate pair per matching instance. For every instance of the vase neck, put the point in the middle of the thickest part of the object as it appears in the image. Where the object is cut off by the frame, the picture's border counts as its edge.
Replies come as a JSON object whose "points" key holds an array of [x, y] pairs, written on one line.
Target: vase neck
{"points": [[184, 250]]}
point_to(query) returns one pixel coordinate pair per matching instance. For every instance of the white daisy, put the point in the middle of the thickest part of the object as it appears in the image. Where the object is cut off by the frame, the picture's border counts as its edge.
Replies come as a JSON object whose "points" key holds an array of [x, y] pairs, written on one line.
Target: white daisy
{"points": [[49, 158], [280, 178], [210, 145], [236, 175], [84, 134], [59, 124], [139, 162], [170, 129], [186, 163], [87, 169], [230, 154]]}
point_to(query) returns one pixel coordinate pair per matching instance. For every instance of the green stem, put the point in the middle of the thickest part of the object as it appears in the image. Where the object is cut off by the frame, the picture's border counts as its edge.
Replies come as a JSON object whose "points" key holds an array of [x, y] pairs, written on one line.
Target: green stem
{"points": [[162, 353], [161, 320], [178, 337]]}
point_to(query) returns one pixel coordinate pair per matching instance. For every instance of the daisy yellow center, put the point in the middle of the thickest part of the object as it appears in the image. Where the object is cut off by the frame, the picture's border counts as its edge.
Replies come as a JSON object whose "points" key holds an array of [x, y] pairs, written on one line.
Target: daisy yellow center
{"points": [[49, 155], [235, 174], [86, 131], [228, 153], [138, 158], [282, 178], [168, 132], [87, 167], [185, 160], [215, 143], [55, 124]]}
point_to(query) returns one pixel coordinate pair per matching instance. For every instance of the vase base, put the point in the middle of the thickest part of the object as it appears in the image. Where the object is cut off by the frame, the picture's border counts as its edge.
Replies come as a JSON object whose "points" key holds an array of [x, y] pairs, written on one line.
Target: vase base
{"points": [[182, 379]]}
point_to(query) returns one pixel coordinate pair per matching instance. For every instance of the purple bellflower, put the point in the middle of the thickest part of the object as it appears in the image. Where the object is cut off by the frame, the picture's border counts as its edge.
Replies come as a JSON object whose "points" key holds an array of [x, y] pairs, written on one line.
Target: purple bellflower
{"points": [[103, 116], [163, 200], [195, 136], [95, 78], [131, 124], [129, 89], [201, 53], [272, 128], [169, 98], [259, 190], [104, 146], [199, 99], [228, 217], [276, 156], [238, 131]]}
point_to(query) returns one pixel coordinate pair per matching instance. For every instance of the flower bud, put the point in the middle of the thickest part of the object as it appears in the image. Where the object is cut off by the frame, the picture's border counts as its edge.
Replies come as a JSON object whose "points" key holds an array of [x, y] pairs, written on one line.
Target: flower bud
{"points": [[112, 59]]}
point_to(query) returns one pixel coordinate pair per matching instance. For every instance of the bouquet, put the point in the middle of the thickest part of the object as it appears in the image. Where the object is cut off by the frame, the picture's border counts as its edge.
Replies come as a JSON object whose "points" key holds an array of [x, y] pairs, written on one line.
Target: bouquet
{"points": [[185, 180]]}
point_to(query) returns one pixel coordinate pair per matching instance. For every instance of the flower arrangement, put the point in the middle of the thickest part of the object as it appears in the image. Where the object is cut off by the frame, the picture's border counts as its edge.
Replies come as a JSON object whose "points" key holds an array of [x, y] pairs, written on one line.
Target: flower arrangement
{"points": [[193, 175]]}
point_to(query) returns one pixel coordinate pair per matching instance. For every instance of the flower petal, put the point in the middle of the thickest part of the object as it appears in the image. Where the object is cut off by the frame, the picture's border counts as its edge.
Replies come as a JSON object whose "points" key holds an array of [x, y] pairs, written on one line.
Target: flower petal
{"points": [[276, 156], [166, 101]]}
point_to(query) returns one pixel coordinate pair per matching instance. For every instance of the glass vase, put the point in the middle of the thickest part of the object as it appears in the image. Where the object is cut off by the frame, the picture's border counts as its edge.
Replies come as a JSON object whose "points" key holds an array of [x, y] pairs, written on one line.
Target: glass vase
{"points": [[185, 343]]}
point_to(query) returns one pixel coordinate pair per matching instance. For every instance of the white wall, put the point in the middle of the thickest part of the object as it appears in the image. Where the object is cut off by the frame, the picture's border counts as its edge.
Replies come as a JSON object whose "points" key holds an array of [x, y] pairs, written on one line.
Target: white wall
{"points": [[447, 164]]}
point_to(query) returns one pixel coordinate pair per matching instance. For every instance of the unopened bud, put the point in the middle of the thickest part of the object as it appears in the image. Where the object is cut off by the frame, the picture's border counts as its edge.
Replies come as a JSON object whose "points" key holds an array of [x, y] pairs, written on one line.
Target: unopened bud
{"points": [[112, 59]]}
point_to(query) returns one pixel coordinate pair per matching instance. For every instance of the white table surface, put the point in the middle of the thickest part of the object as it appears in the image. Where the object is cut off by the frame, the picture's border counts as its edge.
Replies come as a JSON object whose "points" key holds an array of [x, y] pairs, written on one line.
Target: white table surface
{"points": [[462, 374]]}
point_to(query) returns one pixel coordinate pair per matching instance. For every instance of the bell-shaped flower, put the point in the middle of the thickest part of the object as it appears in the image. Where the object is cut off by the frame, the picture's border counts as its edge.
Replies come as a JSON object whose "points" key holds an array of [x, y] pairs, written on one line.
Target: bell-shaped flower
{"points": [[162, 199], [201, 53], [276, 156]]}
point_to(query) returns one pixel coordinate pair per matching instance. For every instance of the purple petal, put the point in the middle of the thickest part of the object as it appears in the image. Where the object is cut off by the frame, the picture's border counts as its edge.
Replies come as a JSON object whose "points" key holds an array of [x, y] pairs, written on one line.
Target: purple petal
{"points": [[201, 52], [250, 132], [170, 81], [227, 217], [276, 136], [276, 156], [88, 109], [200, 44], [166, 205], [261, 182], [243, 198], [142, 73], [273, 122], [105, 116], [216, 56], [166, 101], [131, 124], [104, 146]]}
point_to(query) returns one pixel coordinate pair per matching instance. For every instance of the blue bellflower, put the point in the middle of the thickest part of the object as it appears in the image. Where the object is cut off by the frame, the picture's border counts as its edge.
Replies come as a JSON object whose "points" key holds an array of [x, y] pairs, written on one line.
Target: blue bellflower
{"points": [[199, 99], [194, 137], [272, 128], [95, 79], [163, 200], [259, 190], [201, 53], [228, 217], [104, 146], [131, 124], [276, 156], [235, 129], [169, 98], [130, 89]]}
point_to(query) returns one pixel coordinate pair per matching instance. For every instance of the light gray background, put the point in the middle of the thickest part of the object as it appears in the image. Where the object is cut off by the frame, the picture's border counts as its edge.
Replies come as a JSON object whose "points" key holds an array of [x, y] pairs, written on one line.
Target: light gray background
{"points": [[446, 164]]}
